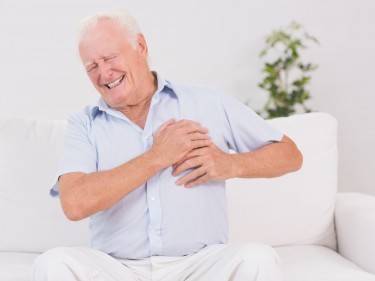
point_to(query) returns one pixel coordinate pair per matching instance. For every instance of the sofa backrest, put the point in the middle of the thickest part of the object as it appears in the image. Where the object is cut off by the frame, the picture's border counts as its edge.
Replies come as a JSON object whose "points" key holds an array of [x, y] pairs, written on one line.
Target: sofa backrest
{"points": [[293, 209], [30, 220], [297, 208]]}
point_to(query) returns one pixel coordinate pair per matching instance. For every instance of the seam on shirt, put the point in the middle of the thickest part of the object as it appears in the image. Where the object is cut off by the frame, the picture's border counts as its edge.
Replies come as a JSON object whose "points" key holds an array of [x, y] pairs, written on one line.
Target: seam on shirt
{"points": [[224, 116]]}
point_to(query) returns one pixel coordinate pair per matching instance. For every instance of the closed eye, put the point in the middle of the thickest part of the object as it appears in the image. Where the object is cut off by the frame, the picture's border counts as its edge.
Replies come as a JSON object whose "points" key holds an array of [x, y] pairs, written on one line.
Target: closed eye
{"points": [[91, 67], [109, 58]]}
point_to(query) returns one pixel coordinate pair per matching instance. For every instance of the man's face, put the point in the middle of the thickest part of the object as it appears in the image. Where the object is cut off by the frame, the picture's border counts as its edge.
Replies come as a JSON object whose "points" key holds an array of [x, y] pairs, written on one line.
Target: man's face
{"points": [[114, 66]]}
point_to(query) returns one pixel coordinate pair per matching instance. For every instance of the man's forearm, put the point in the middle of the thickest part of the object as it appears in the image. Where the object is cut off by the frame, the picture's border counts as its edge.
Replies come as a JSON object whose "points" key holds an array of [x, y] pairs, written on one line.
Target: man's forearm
{"points": [[272, 160], [210, 163], [85, 194]]}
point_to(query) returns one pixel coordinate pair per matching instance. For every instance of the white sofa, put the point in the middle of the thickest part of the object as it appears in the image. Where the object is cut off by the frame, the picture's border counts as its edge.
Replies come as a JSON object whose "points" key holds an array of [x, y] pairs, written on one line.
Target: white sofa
{"points": [[320, 235]]}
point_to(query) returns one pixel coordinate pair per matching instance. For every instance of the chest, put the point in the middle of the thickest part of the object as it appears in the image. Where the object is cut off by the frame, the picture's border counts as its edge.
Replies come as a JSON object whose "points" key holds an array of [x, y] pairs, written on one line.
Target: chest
{"points": [[118, 140]]}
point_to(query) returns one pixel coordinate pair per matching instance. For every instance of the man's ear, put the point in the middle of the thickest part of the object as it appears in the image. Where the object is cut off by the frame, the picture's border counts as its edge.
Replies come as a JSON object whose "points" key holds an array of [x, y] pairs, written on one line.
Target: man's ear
{"points": [[142, 45]]}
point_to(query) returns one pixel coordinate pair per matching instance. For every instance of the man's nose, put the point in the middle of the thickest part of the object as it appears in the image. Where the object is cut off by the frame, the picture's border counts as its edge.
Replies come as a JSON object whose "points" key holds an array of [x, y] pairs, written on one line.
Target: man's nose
{"points": [[105, 69]]}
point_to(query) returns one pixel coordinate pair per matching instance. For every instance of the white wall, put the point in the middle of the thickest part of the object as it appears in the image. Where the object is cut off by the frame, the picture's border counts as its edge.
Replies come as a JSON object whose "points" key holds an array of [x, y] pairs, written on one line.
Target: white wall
{"points": [[211, 42]]}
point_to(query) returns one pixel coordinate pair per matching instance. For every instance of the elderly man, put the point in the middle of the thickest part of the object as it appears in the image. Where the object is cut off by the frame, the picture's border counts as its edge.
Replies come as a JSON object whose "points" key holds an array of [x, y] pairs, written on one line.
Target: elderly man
{"points": [[148, 165]]}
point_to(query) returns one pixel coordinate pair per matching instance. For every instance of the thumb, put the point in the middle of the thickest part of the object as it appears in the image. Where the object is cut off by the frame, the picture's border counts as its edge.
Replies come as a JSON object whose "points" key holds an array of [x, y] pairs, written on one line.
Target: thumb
{"points": [[166, 124]]}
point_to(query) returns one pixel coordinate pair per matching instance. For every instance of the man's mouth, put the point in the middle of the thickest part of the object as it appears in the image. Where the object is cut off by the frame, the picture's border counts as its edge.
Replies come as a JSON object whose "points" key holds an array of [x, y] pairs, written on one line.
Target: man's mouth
{"points": [[115, 83]]}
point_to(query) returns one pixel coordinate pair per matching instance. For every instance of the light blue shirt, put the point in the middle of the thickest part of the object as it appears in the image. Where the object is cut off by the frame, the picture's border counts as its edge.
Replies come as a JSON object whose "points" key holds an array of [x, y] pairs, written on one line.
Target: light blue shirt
{"points": [[159, 217]]}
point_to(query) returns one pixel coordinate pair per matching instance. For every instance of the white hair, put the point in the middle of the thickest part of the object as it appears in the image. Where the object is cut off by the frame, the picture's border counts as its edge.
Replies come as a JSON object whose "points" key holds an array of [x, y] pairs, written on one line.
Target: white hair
{"points": [[120, 16]]}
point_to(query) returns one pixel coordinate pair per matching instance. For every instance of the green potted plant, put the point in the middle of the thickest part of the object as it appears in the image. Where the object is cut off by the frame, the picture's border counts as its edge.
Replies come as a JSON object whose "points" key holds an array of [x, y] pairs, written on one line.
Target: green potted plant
{"points": [[286, 76]]}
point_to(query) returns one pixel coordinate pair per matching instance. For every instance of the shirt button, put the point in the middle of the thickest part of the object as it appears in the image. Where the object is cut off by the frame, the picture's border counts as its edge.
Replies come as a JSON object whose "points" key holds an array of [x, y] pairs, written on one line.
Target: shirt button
{"points": [[153, 231], [153, 198], [146, 138]]}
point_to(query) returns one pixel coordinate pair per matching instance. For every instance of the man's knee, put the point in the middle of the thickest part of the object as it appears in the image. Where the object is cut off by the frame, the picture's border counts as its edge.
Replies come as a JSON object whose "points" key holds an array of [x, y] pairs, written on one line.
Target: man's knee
{"points": [[52, 262], [259, 253], [55, 255], [258, 262]]}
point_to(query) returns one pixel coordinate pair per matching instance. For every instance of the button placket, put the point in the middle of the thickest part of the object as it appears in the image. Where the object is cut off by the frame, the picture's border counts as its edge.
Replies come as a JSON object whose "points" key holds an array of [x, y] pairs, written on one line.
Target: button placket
{"points": [[147, 141], [154, 207], [153, 190]]}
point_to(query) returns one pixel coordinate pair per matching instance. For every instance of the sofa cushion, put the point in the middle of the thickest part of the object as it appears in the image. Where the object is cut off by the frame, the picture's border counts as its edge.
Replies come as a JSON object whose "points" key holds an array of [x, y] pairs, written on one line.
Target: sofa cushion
{"points": [[16, 266], [317, 263], [355, 227], [297, 208], [30, 220]]}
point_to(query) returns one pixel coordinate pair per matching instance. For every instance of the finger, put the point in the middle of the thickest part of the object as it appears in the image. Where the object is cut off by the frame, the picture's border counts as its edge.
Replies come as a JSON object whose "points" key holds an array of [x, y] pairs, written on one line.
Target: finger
{"points": [[198, 129], [191, 126], [200, 143], [188, 164], [187, 122], [166, 124], [193, 153], [175, 165], [191, 176], [197, 181], [199, 136]]}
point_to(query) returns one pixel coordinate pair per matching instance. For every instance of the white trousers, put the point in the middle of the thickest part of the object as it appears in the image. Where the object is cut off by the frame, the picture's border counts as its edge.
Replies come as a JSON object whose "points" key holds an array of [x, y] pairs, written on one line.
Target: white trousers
{"points": [[248, 262]]}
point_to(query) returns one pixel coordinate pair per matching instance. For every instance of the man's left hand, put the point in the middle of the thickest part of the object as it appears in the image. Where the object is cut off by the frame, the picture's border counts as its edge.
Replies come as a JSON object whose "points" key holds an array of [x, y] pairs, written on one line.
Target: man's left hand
{"points": [[209, 163]]}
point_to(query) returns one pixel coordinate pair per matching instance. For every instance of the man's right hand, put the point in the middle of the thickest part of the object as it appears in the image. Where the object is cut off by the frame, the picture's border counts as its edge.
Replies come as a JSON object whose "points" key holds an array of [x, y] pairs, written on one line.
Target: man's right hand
{"points": [[173, 140]]}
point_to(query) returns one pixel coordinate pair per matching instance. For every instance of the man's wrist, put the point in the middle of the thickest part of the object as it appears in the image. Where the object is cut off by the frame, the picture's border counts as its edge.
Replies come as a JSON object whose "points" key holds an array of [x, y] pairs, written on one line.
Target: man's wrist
{"points": [[155, 160], [235, 166]]}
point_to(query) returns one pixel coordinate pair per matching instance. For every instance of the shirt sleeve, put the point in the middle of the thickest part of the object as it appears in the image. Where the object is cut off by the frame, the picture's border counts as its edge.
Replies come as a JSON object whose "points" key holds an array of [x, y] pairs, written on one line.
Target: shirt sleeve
{"points": [[79, 153], [244, 129]]}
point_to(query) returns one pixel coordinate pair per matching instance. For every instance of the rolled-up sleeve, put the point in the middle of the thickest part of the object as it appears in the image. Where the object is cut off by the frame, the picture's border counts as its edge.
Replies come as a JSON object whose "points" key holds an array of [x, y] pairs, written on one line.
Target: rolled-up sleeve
{"points": [[79, 153], [244, 129]]}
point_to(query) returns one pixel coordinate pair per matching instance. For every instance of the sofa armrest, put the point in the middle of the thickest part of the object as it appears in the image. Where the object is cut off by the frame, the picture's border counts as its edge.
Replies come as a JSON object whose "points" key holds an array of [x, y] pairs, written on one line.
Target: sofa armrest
{"points": [[355, 227]]}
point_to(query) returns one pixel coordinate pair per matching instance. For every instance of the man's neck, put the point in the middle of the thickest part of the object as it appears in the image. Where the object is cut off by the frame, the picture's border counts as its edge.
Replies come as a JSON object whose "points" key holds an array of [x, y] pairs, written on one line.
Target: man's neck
{"points": [[138, 113]]}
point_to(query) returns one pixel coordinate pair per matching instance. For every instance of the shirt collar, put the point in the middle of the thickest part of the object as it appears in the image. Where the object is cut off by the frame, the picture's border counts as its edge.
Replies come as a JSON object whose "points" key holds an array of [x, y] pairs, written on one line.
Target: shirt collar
{"points": [[162, 83], [101, 105]]}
